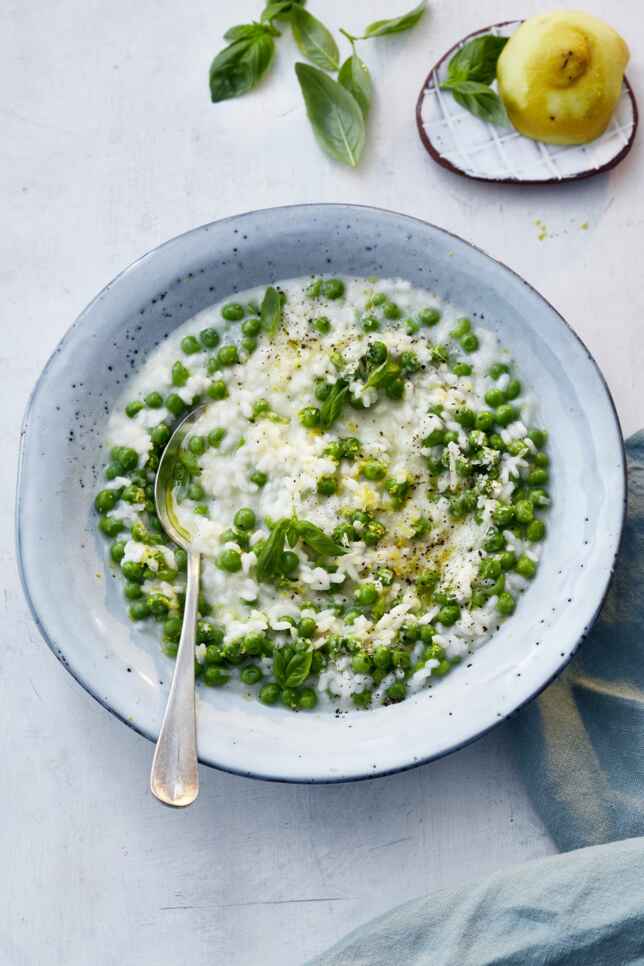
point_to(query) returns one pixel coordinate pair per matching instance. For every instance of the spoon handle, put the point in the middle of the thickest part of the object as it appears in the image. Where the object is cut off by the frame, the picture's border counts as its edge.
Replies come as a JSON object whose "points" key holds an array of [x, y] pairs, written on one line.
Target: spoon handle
{"points": [[174, 778]]}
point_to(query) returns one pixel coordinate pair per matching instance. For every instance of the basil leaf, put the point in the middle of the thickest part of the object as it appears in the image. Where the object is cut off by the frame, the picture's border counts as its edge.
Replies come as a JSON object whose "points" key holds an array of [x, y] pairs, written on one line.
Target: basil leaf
{"points": [[280, 9], [386, 371], [476, 60], [292, 532], [334, 114], [332, 406], [271, 311], [397, 24], [478, 99], [354, 75], [237, 68], [318, 541], [292, 673], [250, 31], [270, 556], [314, 40]]}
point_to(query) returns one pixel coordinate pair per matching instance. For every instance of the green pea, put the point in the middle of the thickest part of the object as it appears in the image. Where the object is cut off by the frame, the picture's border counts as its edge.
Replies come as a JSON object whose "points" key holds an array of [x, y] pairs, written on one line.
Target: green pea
{"points": [[289, 563], [351, 447], [133, 494], [526, 567], [251, 674], [313, 290], [496, 442], [469, 342], [536, 531], [181, 558], [227, 355], [270, 694], [505, 603], [524, 511], [538, 477], [217, 389], [160, 434], [259, 478], [427, 581], [539, 498], [366, 595], [109, 526], [190, 344], [251, 327], [133, 408], [158, 605], [370, 323], [495, 397], [117, 551], [484, 421], [307, 699], [374, 470], [462, 369], [443, 668], [490, 568], [466, 418], [448, 614], [154, 400], [125, 457], [395, 388], [197, 445], [541, 459], [382, 658], [513, 389], [497, 370], [233, 312], [215, 437], [361, 663], [213, 365], [133, 591], [322, 325], [309, 417], [214, 655], [106, 500], [209, 338], [229, 560], [322, 390], [215, 677], [307, 627], [245, 519], [249, 344], [479, 598], [332, 288], [172, 628], [203, 606], [505, 414], [180, 374], [289, 697], [412, 326], [139, 610], [539, 437], [391, 311], [232, 652], [495, 541], [503, 515], [397, 692], [175, 404], [378, 298], [362, 699], [373, 533], [112, 470], [508, 560], [429, 316], [132, 570], [327, 485]]}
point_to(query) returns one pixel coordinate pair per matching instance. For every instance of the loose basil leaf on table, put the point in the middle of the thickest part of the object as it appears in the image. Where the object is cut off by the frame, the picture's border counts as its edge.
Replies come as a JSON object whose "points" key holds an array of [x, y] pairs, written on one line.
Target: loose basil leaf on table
{"points": [[334, 113], [477, 59], [280, 9], [395, 25], [237, 68], [314, 40], [478, 99], [354, 75]]}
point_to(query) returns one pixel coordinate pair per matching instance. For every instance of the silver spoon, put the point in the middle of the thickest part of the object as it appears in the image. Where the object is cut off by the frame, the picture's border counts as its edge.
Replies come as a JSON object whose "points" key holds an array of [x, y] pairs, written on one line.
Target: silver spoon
{"points": [[174, 778]]}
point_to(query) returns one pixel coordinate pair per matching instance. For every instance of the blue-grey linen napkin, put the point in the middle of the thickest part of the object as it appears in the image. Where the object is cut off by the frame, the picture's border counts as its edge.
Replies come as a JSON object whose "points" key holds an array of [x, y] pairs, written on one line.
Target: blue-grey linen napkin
{"points": [[580, 747]]}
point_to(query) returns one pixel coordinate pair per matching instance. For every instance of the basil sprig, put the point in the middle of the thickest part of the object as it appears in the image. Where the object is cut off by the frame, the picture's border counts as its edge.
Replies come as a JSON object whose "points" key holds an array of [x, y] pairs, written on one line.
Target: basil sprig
{"points": [[469, 74], [337, 108], [269, 558], [291, 671], [271, 311]]}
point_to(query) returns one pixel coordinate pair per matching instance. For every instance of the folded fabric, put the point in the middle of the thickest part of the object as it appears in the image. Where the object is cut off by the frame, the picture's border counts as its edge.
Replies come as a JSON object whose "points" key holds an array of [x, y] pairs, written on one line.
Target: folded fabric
{"points": [[580, 747], [581, 909]]}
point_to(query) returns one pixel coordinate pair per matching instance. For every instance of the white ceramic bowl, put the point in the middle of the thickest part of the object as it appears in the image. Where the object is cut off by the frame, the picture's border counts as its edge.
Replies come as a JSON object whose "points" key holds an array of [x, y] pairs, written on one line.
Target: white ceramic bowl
{"points": [[78, 606]]}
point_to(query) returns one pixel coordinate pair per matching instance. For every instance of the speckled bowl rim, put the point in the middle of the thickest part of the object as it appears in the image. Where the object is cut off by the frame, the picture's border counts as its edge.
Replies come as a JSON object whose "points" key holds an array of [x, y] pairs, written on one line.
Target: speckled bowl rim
{"points": [[90, 688]]}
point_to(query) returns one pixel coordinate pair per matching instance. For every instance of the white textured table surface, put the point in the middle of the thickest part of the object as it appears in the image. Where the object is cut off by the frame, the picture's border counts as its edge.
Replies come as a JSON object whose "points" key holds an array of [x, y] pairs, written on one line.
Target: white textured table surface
{"points": [[109, 147]]}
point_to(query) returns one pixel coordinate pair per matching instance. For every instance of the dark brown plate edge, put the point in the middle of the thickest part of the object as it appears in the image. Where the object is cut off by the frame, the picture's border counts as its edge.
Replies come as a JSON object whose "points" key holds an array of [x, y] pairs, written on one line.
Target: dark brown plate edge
{"points": [[444, 163]]}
